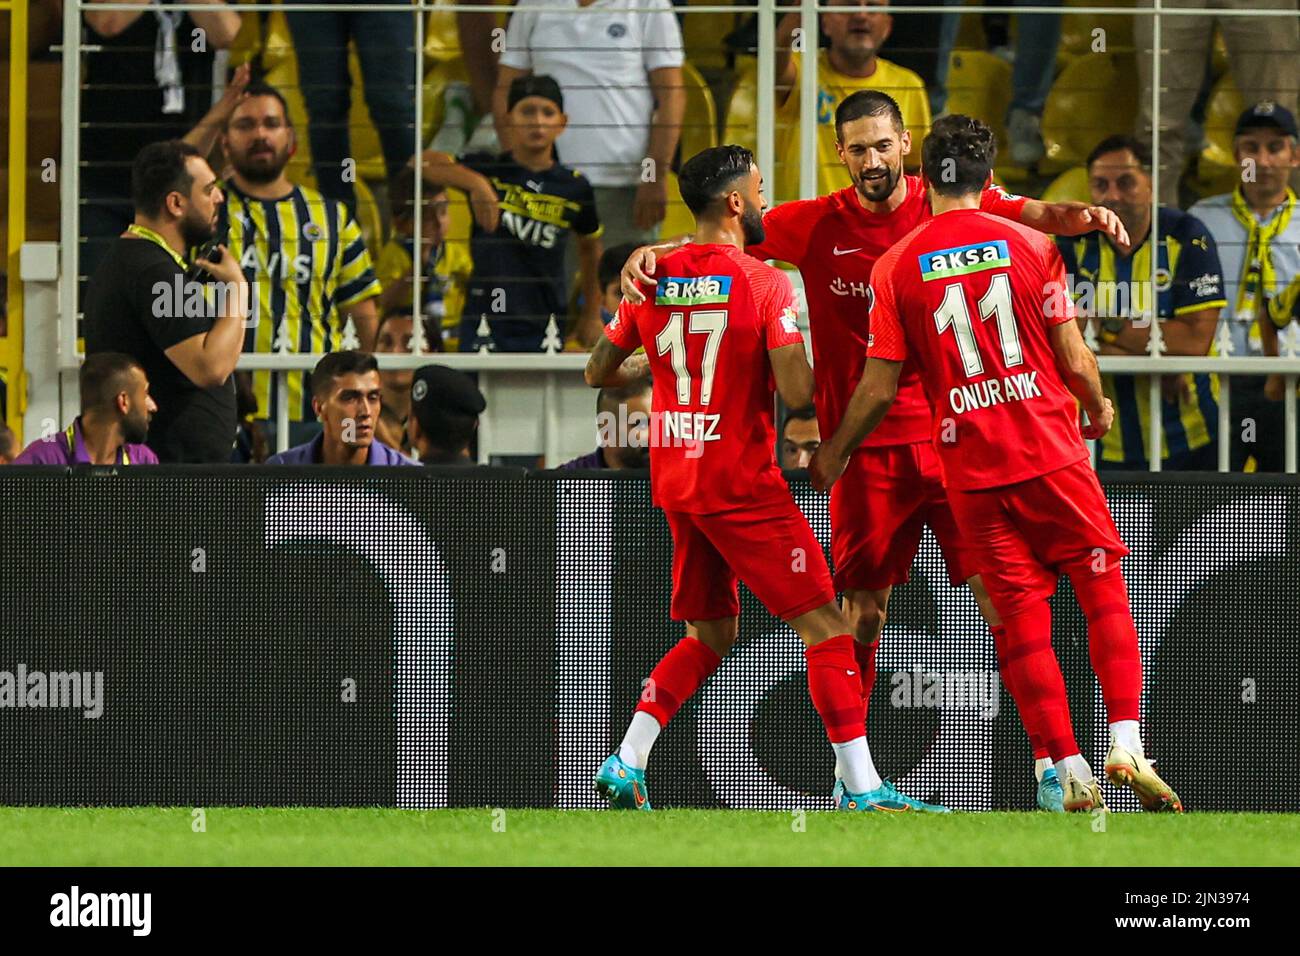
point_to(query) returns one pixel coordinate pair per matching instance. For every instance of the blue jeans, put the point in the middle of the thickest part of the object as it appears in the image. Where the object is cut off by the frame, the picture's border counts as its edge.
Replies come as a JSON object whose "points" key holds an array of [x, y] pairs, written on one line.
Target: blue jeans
{"points": [[385, 47], [1037, 37]]}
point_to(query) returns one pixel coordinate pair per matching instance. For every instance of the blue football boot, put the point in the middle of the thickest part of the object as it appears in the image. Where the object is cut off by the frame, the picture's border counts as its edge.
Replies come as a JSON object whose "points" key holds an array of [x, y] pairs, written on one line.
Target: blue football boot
{"points": [[886, 798], [1051, 795], [621, 785]]}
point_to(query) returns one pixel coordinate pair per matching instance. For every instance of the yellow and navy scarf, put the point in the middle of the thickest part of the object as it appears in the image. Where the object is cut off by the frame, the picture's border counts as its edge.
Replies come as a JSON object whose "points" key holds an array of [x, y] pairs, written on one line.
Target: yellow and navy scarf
{"points": [[1258, 277]]}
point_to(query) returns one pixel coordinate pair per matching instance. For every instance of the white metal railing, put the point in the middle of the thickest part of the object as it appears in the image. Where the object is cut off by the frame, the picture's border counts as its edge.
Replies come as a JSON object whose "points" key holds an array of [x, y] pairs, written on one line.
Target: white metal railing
{"points": [[496, 371]]}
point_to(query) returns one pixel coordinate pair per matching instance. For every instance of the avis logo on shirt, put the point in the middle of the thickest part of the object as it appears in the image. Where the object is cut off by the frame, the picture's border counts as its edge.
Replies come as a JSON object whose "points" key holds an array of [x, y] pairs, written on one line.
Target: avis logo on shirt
{"points": [[696, 290], [963, 260]]}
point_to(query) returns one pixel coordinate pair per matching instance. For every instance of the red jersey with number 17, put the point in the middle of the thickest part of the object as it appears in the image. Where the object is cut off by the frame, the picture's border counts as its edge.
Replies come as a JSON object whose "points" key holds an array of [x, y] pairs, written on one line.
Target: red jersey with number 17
{"points": [[968, 299], [707, 328], [835, 242]]}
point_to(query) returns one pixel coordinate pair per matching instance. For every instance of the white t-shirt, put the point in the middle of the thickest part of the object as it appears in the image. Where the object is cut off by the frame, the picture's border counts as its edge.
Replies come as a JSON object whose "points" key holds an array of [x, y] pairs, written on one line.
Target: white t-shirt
{"points": [[602, 58]]}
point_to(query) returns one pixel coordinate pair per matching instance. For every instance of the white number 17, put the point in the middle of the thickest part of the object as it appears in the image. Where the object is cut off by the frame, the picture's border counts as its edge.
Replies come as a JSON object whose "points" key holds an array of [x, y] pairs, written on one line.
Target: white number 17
{"points": [[671, 341]]}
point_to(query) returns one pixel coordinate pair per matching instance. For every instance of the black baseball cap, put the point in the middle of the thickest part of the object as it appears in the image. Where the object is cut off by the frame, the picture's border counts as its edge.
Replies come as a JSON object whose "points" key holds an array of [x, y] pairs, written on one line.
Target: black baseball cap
{"points": [[1267, 113], [439, 390], [534, 85]]}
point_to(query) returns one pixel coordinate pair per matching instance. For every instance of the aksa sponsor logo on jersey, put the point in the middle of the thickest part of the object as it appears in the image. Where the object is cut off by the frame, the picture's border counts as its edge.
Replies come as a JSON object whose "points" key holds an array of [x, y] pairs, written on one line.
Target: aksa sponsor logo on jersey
{"points": [[963, 260], [697, 290]]}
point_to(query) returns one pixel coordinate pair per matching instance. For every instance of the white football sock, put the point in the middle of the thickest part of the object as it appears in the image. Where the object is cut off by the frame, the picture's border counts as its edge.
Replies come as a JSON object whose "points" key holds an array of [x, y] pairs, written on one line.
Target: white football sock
{"points": [[856, 767], [1041, 766], [1076, 765], [640, 737], [1127, 734]]}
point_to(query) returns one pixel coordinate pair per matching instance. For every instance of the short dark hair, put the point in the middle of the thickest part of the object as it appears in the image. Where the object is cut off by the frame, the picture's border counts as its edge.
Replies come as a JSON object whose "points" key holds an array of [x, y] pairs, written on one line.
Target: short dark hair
{"points": [[262, 88], [158, 170], [336, 364], [104, 376], [866, 103], [805, 414], [705, 176], [957, 157], [611, 263], [401, 192], [1117, 143], [8, 443], [609, 398]]}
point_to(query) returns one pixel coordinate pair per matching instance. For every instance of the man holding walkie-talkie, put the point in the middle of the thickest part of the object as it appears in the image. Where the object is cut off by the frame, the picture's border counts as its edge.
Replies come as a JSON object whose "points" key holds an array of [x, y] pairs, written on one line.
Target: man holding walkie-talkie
{"points": [[147, 301]]}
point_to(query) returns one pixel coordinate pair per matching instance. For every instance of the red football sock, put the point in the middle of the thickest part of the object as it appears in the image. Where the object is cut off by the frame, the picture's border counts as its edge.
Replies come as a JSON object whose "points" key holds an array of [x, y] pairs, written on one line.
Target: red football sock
{"points": [[999, 642], [835, 692], [866, 657], [1034, 678], [1112, 640], [676, 677]]}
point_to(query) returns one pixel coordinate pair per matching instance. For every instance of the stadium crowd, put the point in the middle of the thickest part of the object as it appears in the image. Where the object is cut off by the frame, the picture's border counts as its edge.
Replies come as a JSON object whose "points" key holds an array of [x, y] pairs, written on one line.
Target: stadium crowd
{"points": [[547, 153]]}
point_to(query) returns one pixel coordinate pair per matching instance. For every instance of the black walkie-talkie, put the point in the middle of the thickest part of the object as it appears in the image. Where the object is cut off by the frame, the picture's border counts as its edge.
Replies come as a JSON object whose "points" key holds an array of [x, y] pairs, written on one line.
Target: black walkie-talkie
{"points": [[211, 251]]}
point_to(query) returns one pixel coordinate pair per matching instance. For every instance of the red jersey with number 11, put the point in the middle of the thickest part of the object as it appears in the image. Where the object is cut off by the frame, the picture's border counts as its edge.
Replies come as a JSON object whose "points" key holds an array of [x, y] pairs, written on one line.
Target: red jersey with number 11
{"points": [[969, 298], [707, 328]]}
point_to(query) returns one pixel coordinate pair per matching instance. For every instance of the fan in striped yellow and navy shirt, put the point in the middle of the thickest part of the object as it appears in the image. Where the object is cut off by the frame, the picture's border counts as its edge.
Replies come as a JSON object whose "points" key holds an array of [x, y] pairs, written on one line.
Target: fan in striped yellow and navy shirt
{"points": [[303, 254], [1114, 290]]}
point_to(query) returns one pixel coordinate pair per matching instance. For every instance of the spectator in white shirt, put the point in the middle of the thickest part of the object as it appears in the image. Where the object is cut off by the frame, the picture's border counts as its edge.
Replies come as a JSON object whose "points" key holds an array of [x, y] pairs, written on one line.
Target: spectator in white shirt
{"points": [[1257, 230], [620, 72]]}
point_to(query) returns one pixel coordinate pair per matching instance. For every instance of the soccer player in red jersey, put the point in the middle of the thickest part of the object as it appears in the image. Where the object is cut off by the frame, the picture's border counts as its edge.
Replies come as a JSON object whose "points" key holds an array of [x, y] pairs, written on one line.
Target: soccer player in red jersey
{"points": [[718, 332], [892, 488], [980, 308]]}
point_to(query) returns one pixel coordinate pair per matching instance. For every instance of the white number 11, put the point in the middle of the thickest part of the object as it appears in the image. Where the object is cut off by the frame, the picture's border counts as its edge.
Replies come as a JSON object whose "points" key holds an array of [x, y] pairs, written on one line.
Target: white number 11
{"points": [[952, 313]]}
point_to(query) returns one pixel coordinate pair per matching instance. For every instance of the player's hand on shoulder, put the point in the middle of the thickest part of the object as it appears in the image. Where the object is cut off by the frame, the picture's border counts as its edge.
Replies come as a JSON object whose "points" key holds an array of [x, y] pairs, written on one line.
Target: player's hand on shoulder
{"points": [[826, 466], [640, 267], [1100, 425]]}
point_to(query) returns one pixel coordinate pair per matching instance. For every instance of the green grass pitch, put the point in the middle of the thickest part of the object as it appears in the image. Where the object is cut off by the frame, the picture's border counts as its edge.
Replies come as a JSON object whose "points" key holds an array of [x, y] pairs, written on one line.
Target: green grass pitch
{"points": [[365, 837]]}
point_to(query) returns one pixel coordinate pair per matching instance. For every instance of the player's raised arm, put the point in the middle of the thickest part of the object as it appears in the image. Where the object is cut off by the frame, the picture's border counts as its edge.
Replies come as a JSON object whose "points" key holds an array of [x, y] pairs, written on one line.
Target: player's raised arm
{"points": [[1074, 219], [640, 266], [1058, 218]]}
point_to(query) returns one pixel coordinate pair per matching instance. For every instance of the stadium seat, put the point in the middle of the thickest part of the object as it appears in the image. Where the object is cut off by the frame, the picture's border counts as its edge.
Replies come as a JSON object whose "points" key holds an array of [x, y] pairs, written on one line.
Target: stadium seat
{"points": [[248, 45], [370, 219], [1077, 36], [979, 84], [1071, 185], [678, 219], [742, 109], [1093, 98], [1216, 169], [702, 35], [700, 124]]}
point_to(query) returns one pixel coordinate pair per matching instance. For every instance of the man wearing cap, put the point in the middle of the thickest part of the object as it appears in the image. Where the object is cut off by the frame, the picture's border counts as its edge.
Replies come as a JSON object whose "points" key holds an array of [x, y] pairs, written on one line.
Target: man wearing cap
{"points": [[1257, 230], [114, 422], [525, 205], [347, 397], [445, 406]]}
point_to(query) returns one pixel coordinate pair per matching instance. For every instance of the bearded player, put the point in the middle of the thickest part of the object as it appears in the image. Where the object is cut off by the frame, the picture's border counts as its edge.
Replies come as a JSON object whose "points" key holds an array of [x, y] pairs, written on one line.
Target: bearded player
{"points": [[892, 487], [719, 330], [980, 308]]}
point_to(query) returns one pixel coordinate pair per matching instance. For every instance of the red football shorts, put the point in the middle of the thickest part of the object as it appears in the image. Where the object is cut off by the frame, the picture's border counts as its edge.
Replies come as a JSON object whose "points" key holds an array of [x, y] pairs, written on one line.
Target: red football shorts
{"points": [[880, 506], [769, 546], [1026, 535]]}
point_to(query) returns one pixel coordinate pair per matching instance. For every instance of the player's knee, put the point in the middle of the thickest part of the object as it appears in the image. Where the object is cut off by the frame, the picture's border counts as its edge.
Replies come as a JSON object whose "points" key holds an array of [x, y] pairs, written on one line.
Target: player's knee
{"points": [[866, 621]]}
